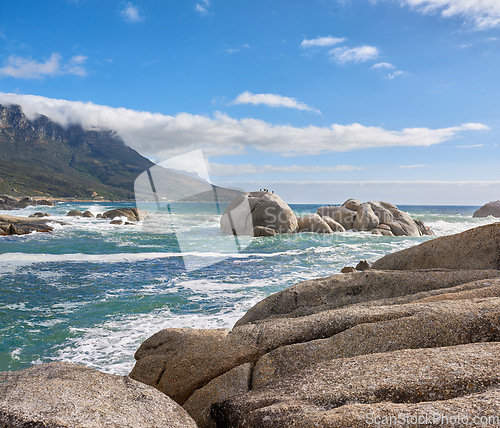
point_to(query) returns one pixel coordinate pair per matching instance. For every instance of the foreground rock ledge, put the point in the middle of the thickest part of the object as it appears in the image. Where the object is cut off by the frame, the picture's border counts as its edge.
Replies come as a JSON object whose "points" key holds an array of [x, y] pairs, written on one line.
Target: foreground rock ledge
{"points": [[423, 339], [61, 394]]}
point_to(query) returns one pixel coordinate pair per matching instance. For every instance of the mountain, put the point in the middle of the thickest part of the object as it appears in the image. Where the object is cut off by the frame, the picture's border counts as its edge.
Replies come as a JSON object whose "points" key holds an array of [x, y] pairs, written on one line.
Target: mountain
{"points": [[40, 157]]}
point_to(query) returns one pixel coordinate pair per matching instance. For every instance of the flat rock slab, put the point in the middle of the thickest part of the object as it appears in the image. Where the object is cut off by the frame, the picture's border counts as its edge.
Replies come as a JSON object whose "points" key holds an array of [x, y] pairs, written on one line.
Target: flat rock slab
{"points": [[59, 394], [458, 379]]}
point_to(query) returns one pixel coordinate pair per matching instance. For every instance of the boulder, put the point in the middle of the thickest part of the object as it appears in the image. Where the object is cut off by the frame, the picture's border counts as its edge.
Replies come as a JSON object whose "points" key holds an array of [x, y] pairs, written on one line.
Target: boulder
{"points": [[400, 223], [363, 265], [39, 215], [179, 361], [60, 394], [490, 209], [132, 214], [348, 269], [341, 392], [74, 213], [335, 226], [13, 225], [365, 218], [341, 215], [313, 223], [352, 204], [44, 202], [116, 222], [254, 209], [25, 202], [263, 231], [477, 248], [87, 214]]}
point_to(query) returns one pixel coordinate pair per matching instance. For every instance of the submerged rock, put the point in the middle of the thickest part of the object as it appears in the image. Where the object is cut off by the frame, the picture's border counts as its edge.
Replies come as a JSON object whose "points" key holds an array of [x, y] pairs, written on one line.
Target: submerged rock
{"points": [[62, 394]]}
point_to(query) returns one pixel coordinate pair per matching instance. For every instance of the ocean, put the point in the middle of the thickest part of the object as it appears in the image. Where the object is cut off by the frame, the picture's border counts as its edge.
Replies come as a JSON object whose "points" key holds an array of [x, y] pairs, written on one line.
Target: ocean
{"points": [[92, 292]]}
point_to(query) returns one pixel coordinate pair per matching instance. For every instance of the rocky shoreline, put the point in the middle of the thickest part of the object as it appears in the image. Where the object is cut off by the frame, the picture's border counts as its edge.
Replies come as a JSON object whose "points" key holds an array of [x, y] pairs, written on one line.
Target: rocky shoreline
{"points": [[418, 333]]}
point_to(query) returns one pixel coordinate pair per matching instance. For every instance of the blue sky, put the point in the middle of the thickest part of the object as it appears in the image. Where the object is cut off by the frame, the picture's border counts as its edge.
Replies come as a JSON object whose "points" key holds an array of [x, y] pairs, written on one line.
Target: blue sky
{"points": [[319, 100]]}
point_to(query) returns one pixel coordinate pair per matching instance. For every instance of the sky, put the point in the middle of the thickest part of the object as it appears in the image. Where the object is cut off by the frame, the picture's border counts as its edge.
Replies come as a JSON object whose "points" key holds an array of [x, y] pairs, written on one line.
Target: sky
{"points": [[318, 100]]}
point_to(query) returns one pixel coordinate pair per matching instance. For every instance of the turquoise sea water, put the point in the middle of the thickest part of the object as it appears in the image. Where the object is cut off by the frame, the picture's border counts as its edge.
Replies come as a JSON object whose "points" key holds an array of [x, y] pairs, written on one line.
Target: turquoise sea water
{"points": [[91, 292]]}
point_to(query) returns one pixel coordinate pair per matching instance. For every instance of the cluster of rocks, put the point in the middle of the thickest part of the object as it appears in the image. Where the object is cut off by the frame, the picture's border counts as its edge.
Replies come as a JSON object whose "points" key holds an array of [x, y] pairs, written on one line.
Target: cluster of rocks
{"points": [[266, 214], [416, 333], [38, 222], [11, 203], [131, 214], [489, 209]]}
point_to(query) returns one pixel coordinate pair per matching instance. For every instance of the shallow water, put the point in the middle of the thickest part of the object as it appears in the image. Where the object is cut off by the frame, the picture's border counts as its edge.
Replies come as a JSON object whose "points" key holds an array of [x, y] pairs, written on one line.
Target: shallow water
{"points": [[91, 292]]}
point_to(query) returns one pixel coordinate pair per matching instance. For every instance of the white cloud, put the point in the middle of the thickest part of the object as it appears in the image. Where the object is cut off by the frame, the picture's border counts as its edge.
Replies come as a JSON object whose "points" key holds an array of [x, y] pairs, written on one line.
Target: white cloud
{"points": [[202, 7], [160, 136], [483, 14], [383, 65], [28, 68], [471, 146], [343, 55], [395, 74], [271, 100], [228, 170], [131, 13], [322, 42], [238, 49], [413, 166]]}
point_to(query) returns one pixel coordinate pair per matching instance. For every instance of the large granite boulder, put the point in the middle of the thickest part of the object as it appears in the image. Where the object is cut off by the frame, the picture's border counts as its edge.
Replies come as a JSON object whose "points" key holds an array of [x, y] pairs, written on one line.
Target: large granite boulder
{"points": [[490, 209], [253, 209], [313, 223], [60, 394], [477, 248], [132, 214], [316, 321], [327, 351]]}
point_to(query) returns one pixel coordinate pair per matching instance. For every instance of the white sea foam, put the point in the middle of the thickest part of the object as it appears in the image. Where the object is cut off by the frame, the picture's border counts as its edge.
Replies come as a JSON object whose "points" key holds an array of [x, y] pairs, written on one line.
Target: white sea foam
{"points": [[110, 346]]}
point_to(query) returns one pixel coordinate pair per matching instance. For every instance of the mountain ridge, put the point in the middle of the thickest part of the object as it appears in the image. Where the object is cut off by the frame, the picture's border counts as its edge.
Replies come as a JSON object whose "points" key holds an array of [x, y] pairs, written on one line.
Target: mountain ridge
{"points": [[40, 157]]}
